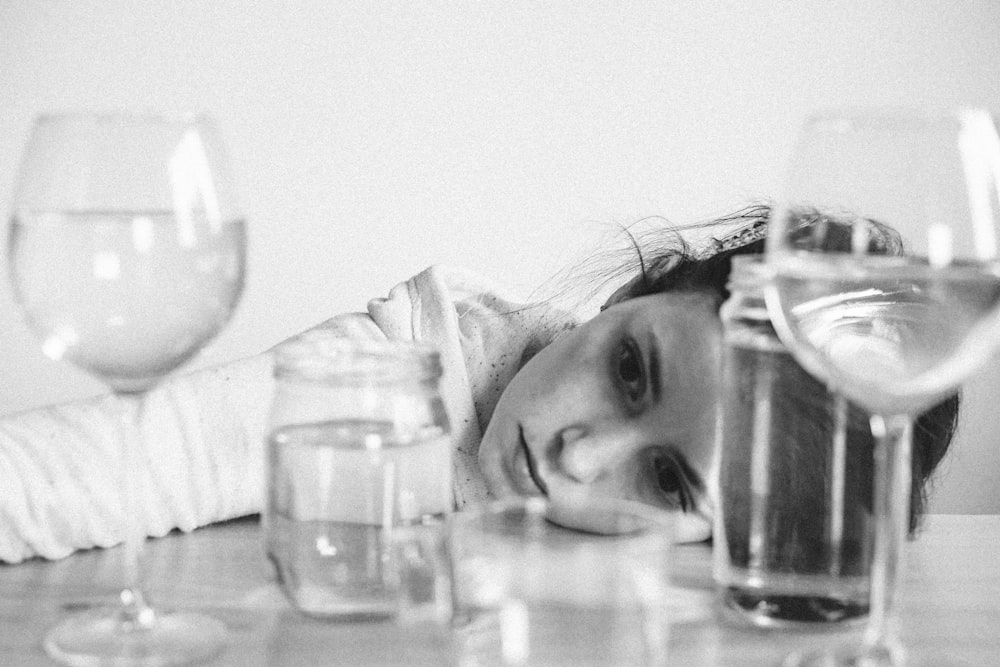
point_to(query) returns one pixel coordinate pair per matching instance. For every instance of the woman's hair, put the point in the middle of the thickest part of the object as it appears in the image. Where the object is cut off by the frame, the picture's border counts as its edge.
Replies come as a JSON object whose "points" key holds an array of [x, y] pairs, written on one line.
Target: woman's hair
{"points": [[675, 265]]}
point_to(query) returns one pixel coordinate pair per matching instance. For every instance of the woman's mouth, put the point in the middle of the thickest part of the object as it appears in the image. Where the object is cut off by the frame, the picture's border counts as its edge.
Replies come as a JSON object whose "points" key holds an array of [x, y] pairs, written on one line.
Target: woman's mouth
{"points": [[527, 468]]}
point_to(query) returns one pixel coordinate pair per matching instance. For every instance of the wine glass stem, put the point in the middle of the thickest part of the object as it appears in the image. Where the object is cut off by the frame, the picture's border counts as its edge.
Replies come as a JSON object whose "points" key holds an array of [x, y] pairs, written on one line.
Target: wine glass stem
{"points": [[891, 501], [135, 612]]}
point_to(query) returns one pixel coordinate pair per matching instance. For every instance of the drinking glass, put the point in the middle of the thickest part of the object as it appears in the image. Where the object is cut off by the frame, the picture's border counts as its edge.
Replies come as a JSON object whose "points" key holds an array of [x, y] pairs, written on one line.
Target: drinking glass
{"points": [[359, 476], [528, 591], [885, 285], [127, 252], [791, 543]]}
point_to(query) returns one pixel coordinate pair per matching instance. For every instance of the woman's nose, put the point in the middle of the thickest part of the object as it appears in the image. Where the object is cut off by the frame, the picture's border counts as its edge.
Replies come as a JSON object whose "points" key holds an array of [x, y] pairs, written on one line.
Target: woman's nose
{"points": [[583, 456]]}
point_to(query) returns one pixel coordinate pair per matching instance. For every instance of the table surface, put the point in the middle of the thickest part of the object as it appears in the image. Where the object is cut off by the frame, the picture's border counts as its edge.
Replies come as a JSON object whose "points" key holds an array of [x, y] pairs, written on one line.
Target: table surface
{"points": [[950, 604]]}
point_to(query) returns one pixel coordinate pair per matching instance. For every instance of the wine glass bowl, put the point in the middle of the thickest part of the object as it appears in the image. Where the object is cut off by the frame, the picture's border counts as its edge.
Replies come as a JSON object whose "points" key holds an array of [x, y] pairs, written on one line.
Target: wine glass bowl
{"points": [[890, 219], [127, 255], [885, 285], [126, 249]]}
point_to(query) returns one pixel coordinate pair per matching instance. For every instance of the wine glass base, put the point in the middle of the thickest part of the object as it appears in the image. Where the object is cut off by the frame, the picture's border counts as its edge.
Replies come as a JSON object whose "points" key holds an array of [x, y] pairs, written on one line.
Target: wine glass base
{"points": [[100, 638], [847, 656]]}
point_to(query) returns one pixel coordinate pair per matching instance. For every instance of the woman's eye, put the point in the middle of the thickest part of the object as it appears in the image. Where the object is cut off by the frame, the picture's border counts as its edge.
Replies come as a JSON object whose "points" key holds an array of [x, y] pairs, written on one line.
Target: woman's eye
{"points": [[628, 368], [671, 483]]}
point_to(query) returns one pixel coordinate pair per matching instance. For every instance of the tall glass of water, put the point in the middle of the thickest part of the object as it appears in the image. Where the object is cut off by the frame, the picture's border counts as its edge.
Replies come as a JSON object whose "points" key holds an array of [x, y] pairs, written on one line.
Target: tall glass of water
{"points": [[886, 286], [792, 534], [126, 252]]}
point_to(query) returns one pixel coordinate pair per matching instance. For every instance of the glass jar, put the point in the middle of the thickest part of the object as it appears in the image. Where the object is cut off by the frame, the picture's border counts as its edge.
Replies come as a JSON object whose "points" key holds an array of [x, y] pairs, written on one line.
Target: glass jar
{"points": [[792, 536], [358, 450]]}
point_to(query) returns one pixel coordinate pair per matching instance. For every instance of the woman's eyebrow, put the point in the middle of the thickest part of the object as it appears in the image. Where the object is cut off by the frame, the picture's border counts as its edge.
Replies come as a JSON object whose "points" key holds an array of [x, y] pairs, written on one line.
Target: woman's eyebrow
{"points": [[655, 379]]}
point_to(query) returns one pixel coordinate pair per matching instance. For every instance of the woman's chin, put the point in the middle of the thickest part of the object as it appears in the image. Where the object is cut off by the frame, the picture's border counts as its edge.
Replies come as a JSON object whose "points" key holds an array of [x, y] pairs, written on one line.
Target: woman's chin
{"points": [[574, 508], [608, 516]]}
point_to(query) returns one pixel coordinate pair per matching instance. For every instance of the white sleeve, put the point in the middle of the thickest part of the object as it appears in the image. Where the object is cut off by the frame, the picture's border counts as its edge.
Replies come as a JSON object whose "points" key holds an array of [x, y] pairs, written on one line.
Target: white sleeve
{"points": [[199, 460]]}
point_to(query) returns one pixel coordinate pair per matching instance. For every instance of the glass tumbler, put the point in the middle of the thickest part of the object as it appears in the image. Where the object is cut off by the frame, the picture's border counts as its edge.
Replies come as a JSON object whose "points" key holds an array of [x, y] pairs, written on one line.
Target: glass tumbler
{"points": [[793, 530], [528, 591], [358, 454]]}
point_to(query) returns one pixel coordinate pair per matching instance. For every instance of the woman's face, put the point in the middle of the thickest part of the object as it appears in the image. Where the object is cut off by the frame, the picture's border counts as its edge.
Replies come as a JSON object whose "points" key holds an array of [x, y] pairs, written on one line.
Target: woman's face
{"points": [[622, 406]]}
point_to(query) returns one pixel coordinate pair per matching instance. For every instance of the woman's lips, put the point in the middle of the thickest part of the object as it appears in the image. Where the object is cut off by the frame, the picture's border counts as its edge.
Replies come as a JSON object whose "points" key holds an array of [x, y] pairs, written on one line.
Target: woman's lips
{"points": [[526, 468]]}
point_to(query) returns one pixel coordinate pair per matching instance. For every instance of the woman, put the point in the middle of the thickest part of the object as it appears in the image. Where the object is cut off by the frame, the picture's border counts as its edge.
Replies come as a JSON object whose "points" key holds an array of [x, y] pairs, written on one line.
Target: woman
{"points": [[620, 405]]}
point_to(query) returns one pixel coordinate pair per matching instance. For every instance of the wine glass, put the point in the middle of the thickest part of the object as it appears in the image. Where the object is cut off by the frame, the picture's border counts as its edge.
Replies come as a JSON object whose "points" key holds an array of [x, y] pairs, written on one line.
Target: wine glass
{"points": [[886, 285], [127, 253]]}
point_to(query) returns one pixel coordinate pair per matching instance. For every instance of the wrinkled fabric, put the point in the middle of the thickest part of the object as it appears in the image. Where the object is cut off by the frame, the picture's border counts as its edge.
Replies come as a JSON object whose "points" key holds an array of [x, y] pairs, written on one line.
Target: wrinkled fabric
{"points": [[200, 457]]}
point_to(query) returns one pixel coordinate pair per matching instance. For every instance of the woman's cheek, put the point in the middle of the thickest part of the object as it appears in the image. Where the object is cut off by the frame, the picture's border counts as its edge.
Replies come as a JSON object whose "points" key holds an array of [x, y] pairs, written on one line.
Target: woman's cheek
{"points": [[692, 528]]}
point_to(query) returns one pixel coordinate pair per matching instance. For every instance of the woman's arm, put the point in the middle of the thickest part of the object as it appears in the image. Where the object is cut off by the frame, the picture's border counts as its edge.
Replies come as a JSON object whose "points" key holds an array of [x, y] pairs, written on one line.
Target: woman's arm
{"points": [[199, 460]]}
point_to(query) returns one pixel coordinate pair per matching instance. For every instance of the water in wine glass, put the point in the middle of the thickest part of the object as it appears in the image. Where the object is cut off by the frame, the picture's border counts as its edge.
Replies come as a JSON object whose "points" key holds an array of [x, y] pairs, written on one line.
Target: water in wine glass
{"points": [[126, 295], [894, 334]]}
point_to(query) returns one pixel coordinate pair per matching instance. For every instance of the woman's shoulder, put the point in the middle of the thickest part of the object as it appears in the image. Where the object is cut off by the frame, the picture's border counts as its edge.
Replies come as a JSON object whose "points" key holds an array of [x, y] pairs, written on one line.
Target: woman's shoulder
{"points": [[460, 283], [443, 292], [475, 297]]}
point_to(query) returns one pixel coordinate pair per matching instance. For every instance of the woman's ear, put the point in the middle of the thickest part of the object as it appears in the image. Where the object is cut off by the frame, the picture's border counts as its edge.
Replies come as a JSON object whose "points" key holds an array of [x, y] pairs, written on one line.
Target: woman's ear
{"points": [[638, 286]]}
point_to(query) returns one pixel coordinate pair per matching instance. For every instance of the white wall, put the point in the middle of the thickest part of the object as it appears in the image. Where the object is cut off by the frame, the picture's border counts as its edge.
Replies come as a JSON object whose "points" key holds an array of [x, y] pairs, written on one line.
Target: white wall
{"points": [[372, 139]]}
